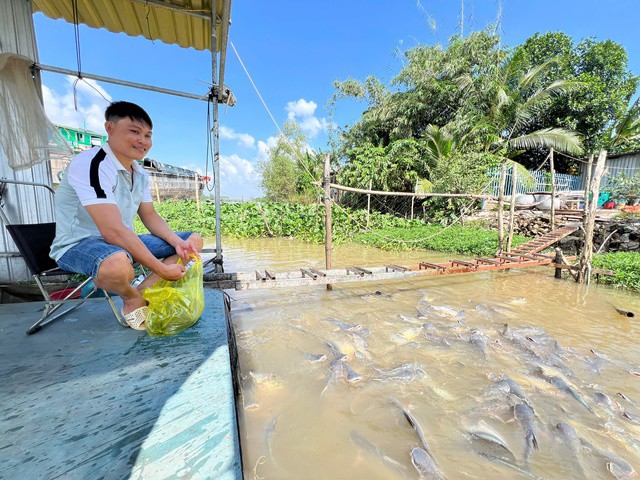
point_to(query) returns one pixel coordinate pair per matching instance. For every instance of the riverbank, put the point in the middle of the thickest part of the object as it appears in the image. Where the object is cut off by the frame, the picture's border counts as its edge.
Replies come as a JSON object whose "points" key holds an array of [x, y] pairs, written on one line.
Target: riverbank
{"points": [[625, 264], [387, 232], [306, 223]]}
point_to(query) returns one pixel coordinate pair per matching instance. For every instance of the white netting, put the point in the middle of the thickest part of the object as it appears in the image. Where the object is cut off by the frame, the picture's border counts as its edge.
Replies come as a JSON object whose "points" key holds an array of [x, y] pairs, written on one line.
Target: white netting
{"points": [[27, 137]]}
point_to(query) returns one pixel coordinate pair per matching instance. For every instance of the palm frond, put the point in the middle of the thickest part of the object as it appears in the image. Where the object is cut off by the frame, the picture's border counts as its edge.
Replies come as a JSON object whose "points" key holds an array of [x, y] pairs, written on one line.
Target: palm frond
{"points": [[423, 186], [557, 138], [628, 127], [524, 176], [526, 112], [532, 75], [439, 143]]}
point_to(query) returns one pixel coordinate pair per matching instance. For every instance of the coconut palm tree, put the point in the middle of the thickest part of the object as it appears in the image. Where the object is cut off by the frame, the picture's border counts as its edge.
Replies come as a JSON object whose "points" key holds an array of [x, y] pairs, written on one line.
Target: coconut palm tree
{"points": [[502, 104]]}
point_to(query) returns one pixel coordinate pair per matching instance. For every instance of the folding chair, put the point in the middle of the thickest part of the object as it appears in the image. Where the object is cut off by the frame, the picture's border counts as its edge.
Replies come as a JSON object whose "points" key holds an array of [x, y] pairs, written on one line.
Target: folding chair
{"points": [[34, 243]]}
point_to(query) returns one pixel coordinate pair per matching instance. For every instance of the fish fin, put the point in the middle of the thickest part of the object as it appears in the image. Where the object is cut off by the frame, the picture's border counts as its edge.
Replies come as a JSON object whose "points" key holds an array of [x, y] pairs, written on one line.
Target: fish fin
{"points": [[534, 441]]}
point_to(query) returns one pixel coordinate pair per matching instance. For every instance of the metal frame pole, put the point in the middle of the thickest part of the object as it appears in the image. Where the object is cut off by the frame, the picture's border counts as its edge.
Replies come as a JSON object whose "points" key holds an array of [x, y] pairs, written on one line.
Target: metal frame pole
{"points": [[216, 131]]}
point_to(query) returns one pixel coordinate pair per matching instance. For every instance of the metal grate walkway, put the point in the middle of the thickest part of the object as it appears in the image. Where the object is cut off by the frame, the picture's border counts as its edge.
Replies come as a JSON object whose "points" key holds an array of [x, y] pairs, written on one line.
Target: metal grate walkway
{"points": [[525, 255]]}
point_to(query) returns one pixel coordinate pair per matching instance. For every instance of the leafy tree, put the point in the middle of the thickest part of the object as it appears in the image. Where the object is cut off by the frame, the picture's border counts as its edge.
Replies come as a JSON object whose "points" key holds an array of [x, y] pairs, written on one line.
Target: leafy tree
{"points": [[606, 86], [290, 168]]}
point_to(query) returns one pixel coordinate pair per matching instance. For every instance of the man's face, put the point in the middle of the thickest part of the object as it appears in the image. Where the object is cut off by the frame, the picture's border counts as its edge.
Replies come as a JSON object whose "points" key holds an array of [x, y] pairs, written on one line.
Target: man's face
{"points": [[129, 139]]}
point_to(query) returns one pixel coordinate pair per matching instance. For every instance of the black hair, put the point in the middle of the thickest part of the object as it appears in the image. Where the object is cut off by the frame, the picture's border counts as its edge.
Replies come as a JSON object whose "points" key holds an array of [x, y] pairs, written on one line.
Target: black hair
{"points": [[117, 110]]}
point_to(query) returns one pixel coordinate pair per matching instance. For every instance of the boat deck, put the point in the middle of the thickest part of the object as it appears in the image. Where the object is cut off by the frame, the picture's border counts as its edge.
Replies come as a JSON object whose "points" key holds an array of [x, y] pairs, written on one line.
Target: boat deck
{"points": [[85, 398]]}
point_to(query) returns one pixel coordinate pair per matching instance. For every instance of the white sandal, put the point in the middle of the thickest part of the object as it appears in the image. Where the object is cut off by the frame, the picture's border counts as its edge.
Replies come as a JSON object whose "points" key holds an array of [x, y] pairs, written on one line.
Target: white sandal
{"points": [[137, 318]]}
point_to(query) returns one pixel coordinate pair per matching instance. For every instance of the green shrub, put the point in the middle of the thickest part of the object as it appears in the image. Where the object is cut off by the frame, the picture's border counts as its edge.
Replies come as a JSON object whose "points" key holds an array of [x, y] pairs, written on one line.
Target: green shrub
{"points": [[306, 222], [625, 264], [464, 240]]}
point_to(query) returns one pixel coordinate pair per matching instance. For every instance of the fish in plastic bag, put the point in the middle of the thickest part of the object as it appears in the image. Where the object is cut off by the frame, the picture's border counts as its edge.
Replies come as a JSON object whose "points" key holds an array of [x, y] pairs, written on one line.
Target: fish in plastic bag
{"points": [[175, 306]]}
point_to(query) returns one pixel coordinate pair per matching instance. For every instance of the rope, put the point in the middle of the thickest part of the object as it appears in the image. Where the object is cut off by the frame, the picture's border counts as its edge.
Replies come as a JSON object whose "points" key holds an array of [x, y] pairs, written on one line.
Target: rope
{"points": [[76, 34], [255, 87], [210, 153], [269, 111], [587, 162]]}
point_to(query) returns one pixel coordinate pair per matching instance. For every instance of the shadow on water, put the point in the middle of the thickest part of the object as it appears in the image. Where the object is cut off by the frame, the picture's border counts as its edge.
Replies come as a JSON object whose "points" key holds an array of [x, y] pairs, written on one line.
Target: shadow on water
{"points": [[85, 398]]}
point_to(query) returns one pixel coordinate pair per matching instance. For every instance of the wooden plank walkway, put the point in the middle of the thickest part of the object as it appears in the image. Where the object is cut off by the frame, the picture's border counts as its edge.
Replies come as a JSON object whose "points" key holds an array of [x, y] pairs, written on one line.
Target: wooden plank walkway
{"points": [[525, 255]]}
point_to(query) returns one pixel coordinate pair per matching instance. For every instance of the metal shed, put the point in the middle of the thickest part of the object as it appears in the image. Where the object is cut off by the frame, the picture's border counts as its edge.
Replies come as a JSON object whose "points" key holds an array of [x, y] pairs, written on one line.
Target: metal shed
{"points": [[627, 163]]}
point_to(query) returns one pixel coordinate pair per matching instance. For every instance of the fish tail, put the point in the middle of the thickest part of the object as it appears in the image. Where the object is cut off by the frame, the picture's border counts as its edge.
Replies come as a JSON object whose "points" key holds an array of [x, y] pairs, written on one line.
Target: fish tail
{"points": [[534, 440]]}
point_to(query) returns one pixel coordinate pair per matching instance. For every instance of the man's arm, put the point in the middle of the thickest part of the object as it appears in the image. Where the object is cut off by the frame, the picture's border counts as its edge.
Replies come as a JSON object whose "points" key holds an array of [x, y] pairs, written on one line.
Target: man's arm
{"points": [[158, 227], [108, 219]]}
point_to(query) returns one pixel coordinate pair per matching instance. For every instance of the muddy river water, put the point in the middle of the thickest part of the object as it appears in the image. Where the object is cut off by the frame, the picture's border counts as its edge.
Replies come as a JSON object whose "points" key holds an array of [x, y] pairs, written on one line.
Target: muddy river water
{"points": [[500, 375]]}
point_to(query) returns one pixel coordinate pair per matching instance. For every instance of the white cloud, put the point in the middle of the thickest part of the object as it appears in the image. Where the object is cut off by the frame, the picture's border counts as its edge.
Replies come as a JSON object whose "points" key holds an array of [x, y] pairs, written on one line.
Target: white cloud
{"points": [[303, 112], [301, 108], [264, 147], [234, 168], [313, 125], [61, 110], [244, 139]]}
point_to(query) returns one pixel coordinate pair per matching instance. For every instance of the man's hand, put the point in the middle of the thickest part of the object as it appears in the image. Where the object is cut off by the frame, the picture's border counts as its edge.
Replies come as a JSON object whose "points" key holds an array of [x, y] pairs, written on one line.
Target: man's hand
{"points": [[172, 272], [184, 249]]}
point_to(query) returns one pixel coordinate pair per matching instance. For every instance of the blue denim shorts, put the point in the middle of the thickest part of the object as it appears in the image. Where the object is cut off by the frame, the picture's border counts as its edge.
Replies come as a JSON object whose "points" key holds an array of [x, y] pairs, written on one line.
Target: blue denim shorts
{"points": [[86, 256]]}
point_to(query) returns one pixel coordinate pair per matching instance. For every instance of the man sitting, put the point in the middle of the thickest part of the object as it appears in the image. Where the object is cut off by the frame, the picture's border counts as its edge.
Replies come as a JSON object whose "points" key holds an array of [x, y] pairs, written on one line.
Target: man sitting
{"points": [[101, 191]]}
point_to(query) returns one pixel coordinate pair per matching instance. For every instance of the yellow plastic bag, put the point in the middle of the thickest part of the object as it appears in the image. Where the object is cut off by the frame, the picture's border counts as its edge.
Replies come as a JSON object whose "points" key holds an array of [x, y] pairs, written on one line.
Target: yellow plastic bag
{"points": [[175, 306]]}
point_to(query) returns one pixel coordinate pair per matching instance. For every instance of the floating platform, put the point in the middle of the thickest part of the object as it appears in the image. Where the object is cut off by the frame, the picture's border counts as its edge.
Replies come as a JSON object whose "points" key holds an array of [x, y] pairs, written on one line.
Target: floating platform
{"points": [[85, 398]]}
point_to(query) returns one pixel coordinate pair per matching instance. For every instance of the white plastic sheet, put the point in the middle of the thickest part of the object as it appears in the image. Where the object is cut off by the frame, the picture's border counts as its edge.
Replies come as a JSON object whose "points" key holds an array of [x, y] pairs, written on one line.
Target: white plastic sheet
{"points": [[27, 137]]}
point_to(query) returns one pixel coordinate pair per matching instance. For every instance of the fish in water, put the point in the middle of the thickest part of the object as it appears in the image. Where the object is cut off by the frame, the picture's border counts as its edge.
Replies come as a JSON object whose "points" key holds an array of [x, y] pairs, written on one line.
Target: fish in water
{"points": [[413, 423], [618, 466], [375, 452], [356, 327], [337, 350], [505, 462], [264, 379], [525, 416], [271, 428], [315, 357], [489, 436], [621, 472], [336, 373], [563, 386], [480, 341], [403, 373], [411, 320], [425, 465], [448, 311], [352, 376], [249, 400], [570, 437]]}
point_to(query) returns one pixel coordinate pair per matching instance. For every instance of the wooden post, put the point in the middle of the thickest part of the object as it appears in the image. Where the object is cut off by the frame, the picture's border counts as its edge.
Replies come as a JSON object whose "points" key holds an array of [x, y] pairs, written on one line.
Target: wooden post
{"points": [[197, 192], [553, 192], [413, 199], [369, 202], [587, 186], [503, 179], [584, 274], [512, 207], [155, 182], [558, 261], [327, 215]]}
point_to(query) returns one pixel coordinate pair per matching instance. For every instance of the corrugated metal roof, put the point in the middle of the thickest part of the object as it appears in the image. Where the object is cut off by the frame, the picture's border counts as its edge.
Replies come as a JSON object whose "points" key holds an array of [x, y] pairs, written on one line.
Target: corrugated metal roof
{"points": [[179, 22]]}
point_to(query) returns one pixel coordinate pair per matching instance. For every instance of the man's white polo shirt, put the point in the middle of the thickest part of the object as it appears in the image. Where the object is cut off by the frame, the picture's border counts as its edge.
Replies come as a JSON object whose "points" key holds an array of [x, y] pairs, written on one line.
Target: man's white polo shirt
{"points": [[95, 176]]}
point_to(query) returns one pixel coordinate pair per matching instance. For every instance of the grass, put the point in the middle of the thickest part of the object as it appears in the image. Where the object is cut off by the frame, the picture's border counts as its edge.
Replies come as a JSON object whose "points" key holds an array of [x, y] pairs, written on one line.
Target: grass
{"points": [[625, 264]]}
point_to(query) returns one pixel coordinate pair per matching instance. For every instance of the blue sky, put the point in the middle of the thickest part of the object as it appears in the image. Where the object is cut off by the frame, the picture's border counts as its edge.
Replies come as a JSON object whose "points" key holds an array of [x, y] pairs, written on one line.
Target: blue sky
{"points": [[294, 51]]}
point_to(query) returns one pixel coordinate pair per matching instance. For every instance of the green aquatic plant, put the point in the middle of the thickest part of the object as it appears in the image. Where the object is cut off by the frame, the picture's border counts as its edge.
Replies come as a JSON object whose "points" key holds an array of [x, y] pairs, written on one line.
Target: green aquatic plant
{"points": [[625, 264]]}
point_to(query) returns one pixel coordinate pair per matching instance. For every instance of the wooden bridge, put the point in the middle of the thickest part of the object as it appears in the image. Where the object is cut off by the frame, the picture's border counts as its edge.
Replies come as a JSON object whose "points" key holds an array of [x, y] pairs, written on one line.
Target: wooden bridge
{"points": [[525, 255]]}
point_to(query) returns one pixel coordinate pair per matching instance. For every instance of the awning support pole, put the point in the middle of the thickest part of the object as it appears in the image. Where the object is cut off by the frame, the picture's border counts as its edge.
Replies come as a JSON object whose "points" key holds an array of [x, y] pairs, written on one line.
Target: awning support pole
{"points": [[216, 132], [116, 81]]}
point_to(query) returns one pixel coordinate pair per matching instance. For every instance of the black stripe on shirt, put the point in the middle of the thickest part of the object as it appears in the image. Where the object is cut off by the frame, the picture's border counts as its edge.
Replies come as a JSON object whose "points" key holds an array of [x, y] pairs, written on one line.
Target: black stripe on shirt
{"points": [[94, 173]]}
